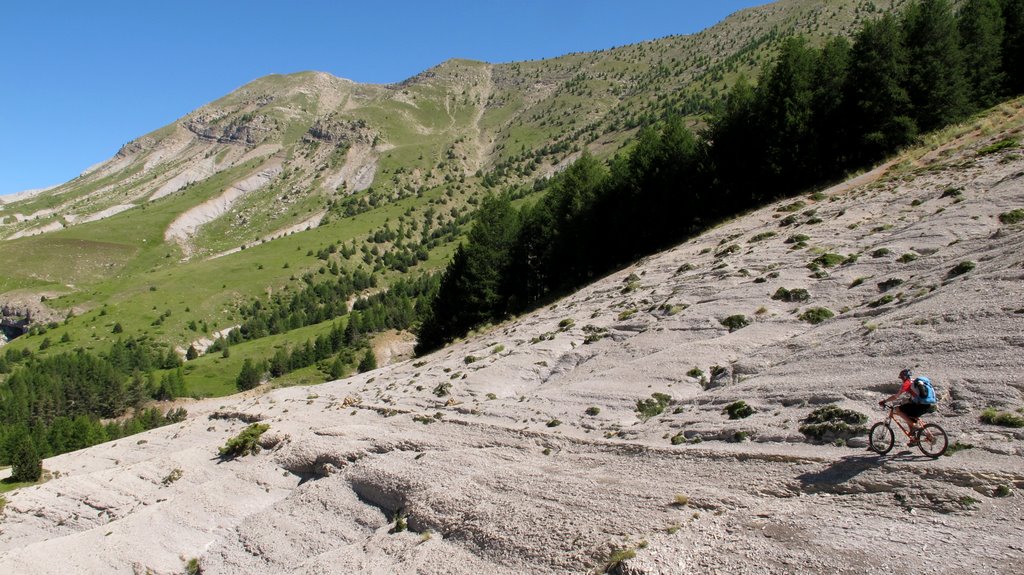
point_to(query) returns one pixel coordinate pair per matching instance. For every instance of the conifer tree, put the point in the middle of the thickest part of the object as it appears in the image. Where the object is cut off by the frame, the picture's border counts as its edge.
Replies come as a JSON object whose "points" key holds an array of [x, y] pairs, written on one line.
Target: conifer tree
{"points": [[369, 362], [26, 464], [878, 105], [1013, 45], [981, 34], [249, 377], [935, 81]]}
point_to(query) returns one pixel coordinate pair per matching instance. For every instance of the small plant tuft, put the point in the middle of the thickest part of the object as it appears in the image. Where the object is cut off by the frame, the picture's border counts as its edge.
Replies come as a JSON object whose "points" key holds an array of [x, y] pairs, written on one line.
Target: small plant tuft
{"points": [[992, 416], [593, 410], [735, 322], [960, 269], [832, 422], [245, 443], [1012, 217], [816, 315], [738, 410], [655, 405]]}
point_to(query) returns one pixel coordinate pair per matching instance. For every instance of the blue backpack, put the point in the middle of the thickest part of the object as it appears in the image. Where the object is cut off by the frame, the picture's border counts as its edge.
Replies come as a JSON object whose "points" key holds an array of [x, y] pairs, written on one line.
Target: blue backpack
{"points": [[924, 392]]}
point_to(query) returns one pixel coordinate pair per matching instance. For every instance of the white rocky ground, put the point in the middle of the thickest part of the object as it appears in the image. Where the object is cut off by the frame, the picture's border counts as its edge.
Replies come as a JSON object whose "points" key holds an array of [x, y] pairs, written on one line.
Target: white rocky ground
{"points": [[490, 482]]}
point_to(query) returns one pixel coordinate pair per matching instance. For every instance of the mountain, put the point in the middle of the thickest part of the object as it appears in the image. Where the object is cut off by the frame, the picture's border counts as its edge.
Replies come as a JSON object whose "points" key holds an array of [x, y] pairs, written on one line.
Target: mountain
{"points": [[602, 432]]}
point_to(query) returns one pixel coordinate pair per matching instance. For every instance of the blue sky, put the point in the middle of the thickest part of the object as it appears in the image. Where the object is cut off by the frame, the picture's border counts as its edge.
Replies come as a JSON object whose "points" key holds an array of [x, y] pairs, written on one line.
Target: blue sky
{"points": [[78, 79]]}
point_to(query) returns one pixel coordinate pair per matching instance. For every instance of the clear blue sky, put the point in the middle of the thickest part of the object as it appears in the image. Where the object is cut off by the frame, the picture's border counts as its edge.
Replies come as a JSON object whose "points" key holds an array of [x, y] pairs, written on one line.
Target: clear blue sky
{"points": [[80, 78]]}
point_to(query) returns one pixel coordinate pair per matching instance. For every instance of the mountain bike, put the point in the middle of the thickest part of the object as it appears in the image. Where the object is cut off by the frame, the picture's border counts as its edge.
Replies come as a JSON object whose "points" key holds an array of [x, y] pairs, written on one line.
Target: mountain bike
{"points": [[931, 439]]}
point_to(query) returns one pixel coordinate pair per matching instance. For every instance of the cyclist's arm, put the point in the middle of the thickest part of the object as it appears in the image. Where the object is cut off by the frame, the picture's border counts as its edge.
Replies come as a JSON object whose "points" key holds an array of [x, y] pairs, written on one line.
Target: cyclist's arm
{"points": [[905, 388]]}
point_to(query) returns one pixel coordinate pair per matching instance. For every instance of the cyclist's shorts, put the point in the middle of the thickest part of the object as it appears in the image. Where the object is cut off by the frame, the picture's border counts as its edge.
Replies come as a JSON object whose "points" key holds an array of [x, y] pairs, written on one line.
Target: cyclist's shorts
{"points": [[915, 410]]}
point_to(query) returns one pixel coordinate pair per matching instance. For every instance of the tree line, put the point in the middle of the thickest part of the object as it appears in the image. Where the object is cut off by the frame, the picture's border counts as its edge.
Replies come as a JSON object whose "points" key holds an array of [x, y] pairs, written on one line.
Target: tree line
{"points": [[814, 115]]}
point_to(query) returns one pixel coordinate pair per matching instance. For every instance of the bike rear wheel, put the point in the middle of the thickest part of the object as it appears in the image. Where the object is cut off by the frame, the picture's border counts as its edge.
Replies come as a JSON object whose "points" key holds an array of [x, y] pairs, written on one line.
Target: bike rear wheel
{"points": [[881, 438], [932, 440]]}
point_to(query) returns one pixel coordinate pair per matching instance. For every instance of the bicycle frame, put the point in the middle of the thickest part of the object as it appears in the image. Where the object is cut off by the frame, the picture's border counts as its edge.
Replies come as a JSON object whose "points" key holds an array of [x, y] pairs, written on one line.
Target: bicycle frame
{"points": [[899, 421]]}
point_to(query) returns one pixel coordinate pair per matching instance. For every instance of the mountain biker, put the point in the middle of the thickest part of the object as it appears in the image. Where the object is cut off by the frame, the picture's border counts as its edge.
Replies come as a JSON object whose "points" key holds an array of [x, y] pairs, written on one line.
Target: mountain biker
{"points": [[911, 410]]}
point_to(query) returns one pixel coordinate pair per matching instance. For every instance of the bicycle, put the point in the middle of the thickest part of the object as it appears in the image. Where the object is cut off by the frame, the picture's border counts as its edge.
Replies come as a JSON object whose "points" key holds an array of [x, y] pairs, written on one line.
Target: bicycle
{"points": [[931, 438]]}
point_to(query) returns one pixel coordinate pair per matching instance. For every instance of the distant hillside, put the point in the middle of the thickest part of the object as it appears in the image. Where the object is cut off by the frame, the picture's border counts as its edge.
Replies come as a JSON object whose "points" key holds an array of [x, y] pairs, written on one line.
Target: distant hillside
{"points": [[286, 167]]}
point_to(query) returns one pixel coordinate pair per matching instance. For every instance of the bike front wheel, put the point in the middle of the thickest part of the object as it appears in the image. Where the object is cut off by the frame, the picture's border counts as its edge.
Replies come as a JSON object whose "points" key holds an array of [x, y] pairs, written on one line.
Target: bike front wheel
{"points": [[881, 438], [932, 440]]}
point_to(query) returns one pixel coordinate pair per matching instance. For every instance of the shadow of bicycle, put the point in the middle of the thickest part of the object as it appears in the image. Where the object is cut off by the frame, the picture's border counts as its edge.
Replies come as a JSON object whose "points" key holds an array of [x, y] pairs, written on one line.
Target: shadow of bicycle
{"points": [[849, 467]]}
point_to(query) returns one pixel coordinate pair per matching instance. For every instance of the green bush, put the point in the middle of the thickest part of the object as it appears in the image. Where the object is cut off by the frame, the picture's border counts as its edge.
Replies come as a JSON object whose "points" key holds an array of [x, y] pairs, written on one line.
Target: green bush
{"points": [[816, 315], [443, 389], [961, 268], [889, 284], [791, 295], [1012, 217], [829, 260], [245, 443], [26, 463], [1004, 144], [738, 410], [832, 422], [907, 258], [554, 423], [761, 237], [648, 408], [695, 373], [593, 410], [881, 253], [1003, 418], [735, 322], [888, 298]]}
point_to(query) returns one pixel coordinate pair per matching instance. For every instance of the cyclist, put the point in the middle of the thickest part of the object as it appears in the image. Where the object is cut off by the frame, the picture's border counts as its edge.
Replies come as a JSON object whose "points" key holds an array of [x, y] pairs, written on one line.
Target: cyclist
{"points": [[911, 410]]}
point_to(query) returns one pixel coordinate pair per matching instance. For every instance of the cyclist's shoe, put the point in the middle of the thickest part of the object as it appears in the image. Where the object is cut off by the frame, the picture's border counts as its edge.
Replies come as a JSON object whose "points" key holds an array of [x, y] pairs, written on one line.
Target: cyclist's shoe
{"points": [[913, 443]]}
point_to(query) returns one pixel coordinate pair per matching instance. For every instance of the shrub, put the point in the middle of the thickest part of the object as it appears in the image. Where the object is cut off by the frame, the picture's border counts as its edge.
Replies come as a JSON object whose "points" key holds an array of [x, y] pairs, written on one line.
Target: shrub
{"points": [[1002, 418], [1012, 217], [443, 389], [952, 193], [793, 207], [888, 298], [566, 323], [648, 408], [727, 251], [889, 284], [193, 567], [881, 253], [798, 239], [761, 237], [735, 322], [469, 359], [793, 295], [961, 268], [678, 438], [616, 557], [695, 373], [554, 423], [832, 422], [173, 476], [816, 315], [738, 410], [593, 410], [907, 258], [245, 443], [1004, 144], [829, 260], [626, 314]]}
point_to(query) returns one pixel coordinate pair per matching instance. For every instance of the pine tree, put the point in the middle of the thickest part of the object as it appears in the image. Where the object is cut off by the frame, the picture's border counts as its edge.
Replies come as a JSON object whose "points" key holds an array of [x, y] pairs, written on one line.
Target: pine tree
{"points": [[191, 353], [249, 377], [878, 107], [981, 34], [1013, 45], [369, 362], [26, 464], [935, 80]]}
